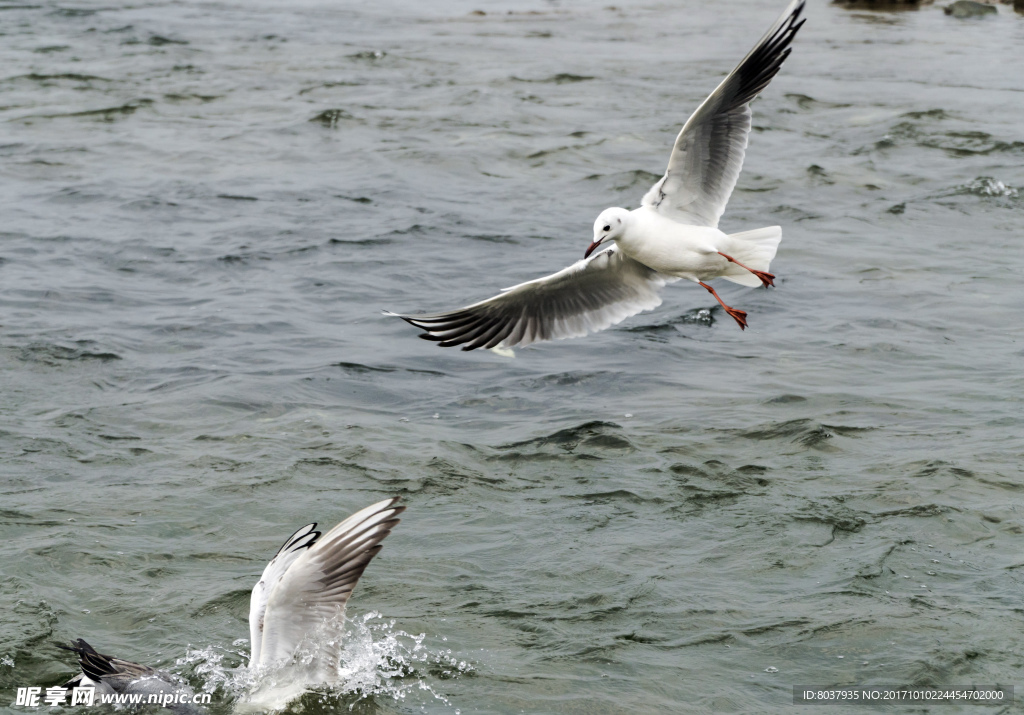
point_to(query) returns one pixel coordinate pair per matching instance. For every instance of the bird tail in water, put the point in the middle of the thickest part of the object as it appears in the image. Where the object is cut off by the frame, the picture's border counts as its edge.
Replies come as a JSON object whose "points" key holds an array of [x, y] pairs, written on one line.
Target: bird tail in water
{"points": [[754, 249]]}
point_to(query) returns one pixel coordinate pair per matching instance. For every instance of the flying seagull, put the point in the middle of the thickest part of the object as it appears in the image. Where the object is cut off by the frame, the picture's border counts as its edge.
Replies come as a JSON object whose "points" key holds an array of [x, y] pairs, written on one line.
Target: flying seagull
{"points": [[674, 234], [302, 592]]}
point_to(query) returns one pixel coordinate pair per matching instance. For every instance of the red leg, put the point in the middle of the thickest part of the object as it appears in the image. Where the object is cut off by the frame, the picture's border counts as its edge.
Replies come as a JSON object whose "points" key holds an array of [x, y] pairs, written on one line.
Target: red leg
{"points": [[738, 315], [767, 279]]}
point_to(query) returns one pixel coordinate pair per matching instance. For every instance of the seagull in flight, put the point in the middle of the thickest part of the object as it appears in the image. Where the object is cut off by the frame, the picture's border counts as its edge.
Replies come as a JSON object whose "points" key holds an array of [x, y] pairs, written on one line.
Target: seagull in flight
{"points": [[299, 599], [674, 234]]}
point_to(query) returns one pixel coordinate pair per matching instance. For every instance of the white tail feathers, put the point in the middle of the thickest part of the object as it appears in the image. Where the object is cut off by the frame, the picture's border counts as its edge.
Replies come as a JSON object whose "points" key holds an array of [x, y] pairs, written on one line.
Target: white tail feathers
{"points": [[754, 249]]}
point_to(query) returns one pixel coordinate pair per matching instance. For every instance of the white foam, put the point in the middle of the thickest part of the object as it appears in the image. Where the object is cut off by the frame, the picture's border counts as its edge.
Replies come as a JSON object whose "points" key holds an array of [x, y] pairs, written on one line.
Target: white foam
{"points": [[987, 186], [375, 660]]}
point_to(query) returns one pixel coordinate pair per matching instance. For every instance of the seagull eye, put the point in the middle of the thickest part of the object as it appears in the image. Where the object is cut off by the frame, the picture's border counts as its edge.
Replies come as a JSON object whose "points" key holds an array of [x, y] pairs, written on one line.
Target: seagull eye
{"points": [[607, 228]]}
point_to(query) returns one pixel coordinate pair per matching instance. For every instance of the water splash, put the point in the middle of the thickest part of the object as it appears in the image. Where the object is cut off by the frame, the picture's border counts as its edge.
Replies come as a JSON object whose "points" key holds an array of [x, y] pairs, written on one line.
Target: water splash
{"points": [[374, 660], [987, 186]]}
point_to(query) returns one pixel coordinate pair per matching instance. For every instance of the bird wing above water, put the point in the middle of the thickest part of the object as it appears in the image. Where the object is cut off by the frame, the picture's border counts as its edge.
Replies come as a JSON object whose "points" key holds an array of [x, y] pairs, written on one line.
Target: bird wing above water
{"points": [[590, 295], [708, 153], [315, 585], [293, 548]]}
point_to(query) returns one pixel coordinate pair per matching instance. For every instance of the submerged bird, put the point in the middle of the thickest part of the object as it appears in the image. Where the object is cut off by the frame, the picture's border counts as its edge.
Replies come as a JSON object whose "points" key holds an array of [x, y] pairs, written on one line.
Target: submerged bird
{"points": [[674, 234], [111, 676], [299, 599]]}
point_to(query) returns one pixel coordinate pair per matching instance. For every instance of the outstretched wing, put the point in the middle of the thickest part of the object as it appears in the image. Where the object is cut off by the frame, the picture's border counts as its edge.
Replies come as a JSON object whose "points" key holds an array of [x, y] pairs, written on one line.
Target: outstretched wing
{"points": [[317, 584], [588, 296], [293, 548], [708, 153]]}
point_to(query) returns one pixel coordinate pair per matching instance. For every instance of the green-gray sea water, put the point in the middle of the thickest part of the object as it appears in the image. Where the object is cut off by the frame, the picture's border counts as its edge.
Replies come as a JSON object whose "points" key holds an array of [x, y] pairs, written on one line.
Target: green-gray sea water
{"points": [[204, 207]]}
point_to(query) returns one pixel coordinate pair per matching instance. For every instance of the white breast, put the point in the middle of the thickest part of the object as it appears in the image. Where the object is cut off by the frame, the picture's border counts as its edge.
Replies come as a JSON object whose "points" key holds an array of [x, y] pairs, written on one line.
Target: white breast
{"points": [[671, 247]]}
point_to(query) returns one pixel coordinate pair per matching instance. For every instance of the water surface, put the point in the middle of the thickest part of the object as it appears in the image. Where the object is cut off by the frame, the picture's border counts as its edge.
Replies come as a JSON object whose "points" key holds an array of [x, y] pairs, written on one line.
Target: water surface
{"points": [[206, 205]]}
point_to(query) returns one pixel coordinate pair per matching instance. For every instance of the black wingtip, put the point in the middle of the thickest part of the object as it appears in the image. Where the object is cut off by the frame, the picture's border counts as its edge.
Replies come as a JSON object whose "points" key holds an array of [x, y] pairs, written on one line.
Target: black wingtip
{"points": [[396, 507], [78, 646], [406, 318], [94, 665]]}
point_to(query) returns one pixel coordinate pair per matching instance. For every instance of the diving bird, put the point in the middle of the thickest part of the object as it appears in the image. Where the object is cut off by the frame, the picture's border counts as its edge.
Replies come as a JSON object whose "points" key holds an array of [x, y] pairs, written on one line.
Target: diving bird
{"points": [[673, 234], [131, 683], [299, 600]]}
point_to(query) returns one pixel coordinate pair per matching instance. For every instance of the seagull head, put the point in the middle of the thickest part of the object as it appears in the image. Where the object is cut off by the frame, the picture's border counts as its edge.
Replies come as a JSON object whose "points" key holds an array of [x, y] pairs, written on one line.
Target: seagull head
{"points": [[608, 227]]}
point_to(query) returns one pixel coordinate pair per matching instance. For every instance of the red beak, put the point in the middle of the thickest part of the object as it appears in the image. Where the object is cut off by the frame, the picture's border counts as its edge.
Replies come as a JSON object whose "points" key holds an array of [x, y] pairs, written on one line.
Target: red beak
{"points": [[590, 248]]}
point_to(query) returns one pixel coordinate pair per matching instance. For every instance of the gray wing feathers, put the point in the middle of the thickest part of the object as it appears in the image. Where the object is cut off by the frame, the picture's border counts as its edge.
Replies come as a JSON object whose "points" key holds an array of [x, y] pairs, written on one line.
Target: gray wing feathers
{"points": [[105, 668], [590, 295], [708, 154], [114, 675], [317, 585]]}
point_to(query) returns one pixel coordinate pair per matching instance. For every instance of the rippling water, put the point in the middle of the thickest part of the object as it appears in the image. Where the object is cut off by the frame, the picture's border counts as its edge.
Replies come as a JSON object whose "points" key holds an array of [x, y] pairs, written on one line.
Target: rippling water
{"points": [[206, 205]]}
